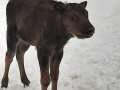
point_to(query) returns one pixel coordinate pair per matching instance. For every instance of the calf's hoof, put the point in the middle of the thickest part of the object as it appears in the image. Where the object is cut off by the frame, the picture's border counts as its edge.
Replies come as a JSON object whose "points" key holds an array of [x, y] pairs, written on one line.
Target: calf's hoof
{"points": [[25, 81], [4, 83]]}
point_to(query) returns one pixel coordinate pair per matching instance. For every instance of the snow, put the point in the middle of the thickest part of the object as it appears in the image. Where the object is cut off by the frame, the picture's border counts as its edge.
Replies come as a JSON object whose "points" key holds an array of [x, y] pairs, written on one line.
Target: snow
{"points": [[102, 8], [89, 64]]}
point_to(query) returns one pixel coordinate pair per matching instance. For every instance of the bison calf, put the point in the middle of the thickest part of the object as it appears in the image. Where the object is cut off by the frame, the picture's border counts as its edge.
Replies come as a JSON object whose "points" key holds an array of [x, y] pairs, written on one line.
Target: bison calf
{"points": [[47, 26]]}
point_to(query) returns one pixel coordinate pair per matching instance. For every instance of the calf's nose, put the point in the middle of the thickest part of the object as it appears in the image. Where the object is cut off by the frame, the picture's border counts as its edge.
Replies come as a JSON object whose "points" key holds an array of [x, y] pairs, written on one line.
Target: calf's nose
{"points": [[91, 31]]}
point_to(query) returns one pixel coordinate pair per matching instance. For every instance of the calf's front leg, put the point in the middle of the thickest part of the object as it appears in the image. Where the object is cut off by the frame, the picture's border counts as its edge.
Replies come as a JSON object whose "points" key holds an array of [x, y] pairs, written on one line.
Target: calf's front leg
{"points": [[43, 58], [54, 68]]}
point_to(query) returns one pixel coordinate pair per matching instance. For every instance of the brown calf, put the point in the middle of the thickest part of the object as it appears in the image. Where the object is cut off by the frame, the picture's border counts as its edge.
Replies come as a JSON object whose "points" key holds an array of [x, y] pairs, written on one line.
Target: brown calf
{"points": [[48, 26]]}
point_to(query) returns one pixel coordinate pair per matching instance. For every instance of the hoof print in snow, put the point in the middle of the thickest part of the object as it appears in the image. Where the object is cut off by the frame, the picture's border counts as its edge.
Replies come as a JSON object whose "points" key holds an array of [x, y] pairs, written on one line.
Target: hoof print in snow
{"points": [[74, 77]]}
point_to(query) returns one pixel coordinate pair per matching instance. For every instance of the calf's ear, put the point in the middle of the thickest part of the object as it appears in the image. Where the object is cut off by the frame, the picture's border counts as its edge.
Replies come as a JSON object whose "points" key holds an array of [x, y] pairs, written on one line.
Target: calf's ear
{"points": [[84, 4], [60, 7]]}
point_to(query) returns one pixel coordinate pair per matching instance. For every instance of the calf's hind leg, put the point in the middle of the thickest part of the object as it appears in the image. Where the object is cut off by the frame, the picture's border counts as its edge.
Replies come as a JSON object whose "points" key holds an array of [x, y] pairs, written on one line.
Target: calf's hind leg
{"points": [[21, 49], [12, 42]]}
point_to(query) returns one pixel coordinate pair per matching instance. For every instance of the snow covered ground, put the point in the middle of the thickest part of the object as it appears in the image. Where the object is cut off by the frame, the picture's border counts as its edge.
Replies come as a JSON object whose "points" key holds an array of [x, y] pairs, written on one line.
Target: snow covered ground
{"points": [[90, 64]]}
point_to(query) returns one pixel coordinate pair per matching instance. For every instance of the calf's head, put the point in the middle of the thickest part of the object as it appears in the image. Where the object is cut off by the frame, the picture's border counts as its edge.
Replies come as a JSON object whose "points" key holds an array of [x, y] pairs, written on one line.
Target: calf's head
{"points": [[75, 19]]}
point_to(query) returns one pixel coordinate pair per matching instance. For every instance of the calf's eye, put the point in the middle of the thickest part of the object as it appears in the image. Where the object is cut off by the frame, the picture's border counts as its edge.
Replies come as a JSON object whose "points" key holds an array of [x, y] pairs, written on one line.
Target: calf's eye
{"points": [[74, 18]]}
